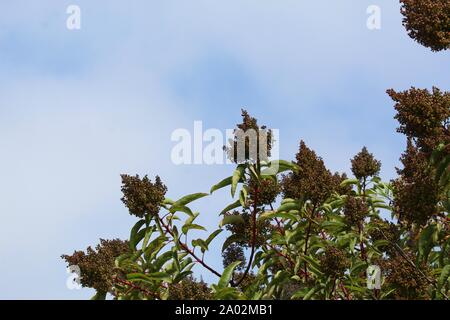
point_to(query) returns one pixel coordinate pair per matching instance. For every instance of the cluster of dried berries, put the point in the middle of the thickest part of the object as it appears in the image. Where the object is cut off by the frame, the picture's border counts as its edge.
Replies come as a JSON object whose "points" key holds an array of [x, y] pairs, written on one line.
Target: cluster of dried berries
{"points": [[364, 165], [248, 281], [244, 230], [190, 289], [141, 196], [235, 252], [266, 191], [333, 262], [424, 119], [314, 181], [97, 266], [383, 230], [409, 280], [416, 191], [250, 142], [337, 180], [423, 116], [428, 22], [355, 210], [232, 254]]}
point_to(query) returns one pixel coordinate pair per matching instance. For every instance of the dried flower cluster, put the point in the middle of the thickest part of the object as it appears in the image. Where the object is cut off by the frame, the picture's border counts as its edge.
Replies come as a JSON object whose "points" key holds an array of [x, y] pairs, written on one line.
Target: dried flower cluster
{"points": [[190, 289], [334, 262], [416, 190], [424, 119], [409, 279], [383, 230], [423, 116], [233, 253], [97, 266], [355, 210], [266, 190], [250, 142], [428, 22], [141, 196], [314, 181], [244, 230], [364, 165]]}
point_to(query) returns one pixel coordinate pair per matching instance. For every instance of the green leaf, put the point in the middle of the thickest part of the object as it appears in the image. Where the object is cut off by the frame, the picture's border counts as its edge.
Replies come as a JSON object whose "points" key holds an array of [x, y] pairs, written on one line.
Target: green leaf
{"points": [[226, 293], [134, 232], [272, 215], [189, 198], [227, 275], [381, 243], [148, 234], [213, 236], [333, 226], [99, 295], [442, 167], [180, 208], [232, 206], [243, 196], [225, 182], [160, 261], [358, 267], [149, 278], [231, 219], [237, 176], [168, 201], [444, 277], [232, 239], [282, 166], [348, 182], [311, 292], [426, 242], [192, 226], [200, 243], [289, 206]]}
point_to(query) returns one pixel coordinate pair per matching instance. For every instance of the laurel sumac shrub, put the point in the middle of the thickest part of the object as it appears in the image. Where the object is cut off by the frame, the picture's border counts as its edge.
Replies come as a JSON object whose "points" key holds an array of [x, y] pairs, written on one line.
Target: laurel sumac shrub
{"points": [[301, 231]]}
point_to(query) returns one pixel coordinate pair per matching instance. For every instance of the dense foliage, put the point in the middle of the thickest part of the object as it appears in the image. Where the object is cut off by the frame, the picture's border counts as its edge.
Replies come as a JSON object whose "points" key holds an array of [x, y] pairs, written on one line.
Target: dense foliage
{"points": [[428, 22], [300, 232]]}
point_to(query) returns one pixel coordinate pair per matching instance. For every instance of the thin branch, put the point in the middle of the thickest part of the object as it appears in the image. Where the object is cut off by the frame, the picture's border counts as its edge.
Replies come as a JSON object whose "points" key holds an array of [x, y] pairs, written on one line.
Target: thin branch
{"points": [[254, 227], [189, 251]]}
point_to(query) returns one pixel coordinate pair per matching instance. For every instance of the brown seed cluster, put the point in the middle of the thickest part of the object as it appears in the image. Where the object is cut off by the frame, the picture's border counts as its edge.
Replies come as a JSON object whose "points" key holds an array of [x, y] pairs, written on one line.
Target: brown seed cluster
{"points": [[423, 116], [383, 230], [314, 181], [333, 262], [97, 266], [416, 191], [266, 191], [355, 210], [428, 22], [190, 289], [264, 229], [364, 165], [424, 119], [337, 180], [405, 277], [243, 148], [234, 253], [141, 196]]}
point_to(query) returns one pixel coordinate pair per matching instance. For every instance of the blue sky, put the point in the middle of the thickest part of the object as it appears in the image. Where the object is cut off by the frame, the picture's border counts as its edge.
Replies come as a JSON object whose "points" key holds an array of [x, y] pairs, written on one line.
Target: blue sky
{"points": [[78, 108]]}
